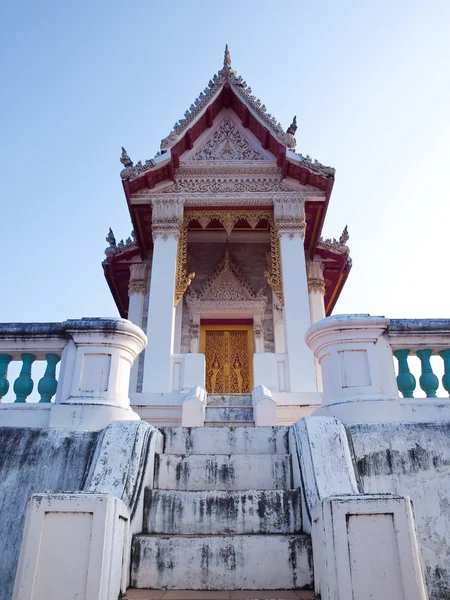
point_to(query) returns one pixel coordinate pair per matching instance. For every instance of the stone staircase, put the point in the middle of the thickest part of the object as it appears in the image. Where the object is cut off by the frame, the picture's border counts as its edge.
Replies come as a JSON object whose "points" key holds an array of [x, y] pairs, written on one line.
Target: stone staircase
{"points": [[231, 410], [222, 514]]}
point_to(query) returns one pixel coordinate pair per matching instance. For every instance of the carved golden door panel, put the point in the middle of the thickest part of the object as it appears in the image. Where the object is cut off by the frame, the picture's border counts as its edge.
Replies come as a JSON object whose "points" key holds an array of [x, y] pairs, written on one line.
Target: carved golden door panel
{"points": [[229, 357]]}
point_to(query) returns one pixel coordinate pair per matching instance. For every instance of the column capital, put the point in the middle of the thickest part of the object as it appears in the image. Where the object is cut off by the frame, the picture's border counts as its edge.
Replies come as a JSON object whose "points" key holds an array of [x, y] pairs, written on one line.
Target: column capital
{"points": [[167, 217], [138, 278], [289, 213], [316, 281]]}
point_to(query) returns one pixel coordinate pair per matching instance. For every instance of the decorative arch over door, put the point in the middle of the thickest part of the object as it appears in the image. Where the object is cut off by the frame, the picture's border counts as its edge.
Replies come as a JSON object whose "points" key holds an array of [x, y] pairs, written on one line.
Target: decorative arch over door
{"points": [[228, 219]]}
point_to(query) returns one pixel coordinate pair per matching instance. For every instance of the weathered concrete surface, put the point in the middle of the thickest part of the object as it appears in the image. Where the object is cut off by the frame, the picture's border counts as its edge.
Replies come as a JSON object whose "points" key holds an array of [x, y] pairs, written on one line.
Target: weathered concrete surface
{"points": [[222, 563], [123, 465], [225, 440], [222, 472], [31, 461], [321, 462], [413, 459], [229, 400], [229, 414], [187, 513]]}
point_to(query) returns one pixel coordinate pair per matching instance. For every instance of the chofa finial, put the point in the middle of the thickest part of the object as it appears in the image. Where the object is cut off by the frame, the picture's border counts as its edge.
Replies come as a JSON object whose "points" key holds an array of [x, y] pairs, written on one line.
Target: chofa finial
{"points": [[125, 159], [293, 126], [344, 236]]}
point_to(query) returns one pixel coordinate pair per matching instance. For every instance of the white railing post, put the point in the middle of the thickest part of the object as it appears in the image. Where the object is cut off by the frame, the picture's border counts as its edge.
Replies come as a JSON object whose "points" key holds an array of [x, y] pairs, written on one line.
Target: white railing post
{"points": [[357, 364], [95, 373]]}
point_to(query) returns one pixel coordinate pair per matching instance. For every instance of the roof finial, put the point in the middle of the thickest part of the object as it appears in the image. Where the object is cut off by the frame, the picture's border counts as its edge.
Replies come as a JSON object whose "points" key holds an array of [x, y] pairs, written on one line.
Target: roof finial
{"points": [[226, 70], [226, 58], [293, 126], [125, 159], [344, 236]]}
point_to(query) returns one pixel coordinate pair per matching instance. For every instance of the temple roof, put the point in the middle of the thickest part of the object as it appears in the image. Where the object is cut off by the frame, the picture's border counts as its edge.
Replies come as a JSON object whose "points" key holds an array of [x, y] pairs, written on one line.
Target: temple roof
{"points": [[218, 93]]}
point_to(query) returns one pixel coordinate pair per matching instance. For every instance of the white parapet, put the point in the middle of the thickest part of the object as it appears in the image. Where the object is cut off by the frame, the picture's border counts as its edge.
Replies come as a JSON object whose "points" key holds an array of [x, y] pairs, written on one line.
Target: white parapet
{"points": [[73, 547], [95, 373], [365, 547], [264, 407], [92, 387], [194, 408], [357, 366]]}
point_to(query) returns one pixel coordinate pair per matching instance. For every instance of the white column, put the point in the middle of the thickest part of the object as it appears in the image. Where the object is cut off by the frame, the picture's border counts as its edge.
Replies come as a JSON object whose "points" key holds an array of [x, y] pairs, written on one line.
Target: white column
{"points": [[316, 289], [278, 325], [290, 222], [136, 293], [167, 218]]}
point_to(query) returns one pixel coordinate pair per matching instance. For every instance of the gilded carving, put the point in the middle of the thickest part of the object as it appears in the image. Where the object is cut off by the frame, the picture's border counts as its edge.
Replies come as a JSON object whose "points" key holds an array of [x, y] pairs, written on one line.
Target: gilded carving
{"points": [[228, 218], [227, 362]]}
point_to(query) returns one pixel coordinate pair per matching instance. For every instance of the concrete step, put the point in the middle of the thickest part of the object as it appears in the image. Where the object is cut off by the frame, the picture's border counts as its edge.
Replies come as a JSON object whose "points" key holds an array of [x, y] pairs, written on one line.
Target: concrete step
{"points": [[251, 562], [231, 424], [208, 440], [229, 413], [188, 513], [229, 400], [223, 472]]}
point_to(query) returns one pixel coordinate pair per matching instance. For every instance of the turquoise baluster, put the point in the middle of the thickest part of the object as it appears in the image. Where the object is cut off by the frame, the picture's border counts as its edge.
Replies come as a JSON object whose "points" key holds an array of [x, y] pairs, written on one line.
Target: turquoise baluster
{"points": [[23, 386], [428, 380], [405, 379], [48, 384], [5, 359], [446, 377]]}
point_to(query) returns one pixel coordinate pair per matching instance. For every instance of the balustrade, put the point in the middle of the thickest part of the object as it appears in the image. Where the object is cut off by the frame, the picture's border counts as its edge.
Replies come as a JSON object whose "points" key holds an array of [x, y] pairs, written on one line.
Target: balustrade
{"points": [[91, 389], [429, 340], [24, 383], [26, 350], [356, 354]]}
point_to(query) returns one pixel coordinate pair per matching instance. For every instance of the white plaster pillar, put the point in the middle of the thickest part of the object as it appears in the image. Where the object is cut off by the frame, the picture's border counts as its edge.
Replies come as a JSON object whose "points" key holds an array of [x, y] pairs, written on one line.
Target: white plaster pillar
{"points": [[278, 325], [290, 222], [194, 335], [167, 218], [316, 290], [258, 328], [137, 288]]}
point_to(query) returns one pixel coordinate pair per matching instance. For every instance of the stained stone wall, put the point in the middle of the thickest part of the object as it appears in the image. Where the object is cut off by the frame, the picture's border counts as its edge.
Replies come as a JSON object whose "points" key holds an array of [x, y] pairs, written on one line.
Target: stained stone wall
{"points": [[412, 459], [250, 258], [35, 460]]}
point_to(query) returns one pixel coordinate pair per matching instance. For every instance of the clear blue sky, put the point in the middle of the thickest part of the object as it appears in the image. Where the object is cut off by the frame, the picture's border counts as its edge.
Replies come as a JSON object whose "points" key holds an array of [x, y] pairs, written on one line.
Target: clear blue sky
{"points": [[368, 81]]}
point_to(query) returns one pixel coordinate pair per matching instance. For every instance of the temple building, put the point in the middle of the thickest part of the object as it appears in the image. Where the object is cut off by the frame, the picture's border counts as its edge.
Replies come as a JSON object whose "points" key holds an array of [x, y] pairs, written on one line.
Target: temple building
{"points": [[226, 268], [228, 436]]}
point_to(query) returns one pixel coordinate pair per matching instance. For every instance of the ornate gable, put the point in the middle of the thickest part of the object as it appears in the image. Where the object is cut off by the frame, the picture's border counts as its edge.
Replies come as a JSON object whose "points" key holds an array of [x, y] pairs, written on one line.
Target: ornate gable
{"points": [[226, 283], [227, 143], [227, 290]]}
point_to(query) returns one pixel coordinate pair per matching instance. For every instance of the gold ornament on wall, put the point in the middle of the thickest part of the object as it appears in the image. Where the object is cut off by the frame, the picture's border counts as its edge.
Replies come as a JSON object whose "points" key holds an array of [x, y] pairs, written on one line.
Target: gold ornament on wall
{"points": [[228, 219]]}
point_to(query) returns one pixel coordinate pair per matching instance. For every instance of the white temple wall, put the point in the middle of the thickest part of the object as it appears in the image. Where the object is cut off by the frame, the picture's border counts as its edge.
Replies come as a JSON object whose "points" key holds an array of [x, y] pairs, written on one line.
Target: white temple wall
{"points": [[250, 258]]}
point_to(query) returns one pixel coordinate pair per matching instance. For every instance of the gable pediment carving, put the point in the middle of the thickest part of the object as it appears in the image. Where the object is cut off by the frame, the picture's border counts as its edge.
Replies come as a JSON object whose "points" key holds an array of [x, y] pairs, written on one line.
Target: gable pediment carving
{"points": [[227, 143], [226, 290]]}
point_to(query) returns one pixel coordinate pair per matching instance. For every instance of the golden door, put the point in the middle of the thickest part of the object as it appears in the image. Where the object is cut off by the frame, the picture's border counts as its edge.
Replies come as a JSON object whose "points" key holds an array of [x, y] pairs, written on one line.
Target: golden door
{"points": [[229, 356]]}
